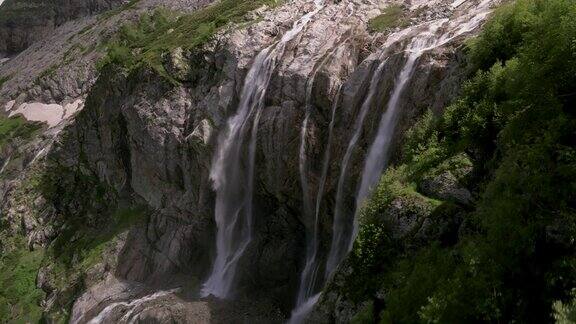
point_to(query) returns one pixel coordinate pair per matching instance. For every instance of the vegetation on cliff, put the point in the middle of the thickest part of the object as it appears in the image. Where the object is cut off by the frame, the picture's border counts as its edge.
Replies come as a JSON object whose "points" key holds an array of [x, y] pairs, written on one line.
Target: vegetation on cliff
{"points": [[145, 41], [16, 127], [85, 229], [511, 141]]}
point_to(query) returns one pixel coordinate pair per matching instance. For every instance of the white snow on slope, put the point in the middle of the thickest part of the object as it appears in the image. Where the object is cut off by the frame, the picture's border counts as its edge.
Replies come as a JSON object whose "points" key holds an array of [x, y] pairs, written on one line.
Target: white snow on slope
{"points": [[51, 114]]}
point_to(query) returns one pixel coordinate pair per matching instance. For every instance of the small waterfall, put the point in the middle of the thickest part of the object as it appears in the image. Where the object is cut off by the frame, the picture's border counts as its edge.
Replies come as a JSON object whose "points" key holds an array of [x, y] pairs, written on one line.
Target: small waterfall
{"points": [[340, 227], [233, 185], [305, 300], [131, 306], [308, 280], [344, 228], [378, 156]]}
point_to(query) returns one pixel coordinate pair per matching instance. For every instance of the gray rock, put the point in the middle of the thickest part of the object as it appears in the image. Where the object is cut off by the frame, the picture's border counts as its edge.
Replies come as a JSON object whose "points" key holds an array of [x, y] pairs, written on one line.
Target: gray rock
{"points": [[446, 187]]}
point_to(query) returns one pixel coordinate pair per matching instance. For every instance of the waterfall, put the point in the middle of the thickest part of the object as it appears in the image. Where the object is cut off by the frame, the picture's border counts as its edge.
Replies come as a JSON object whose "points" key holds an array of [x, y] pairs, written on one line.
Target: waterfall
{"points": [[377, 157], [344, 228], [233, 185], [305, 299], [378, 154], [340, 238]]}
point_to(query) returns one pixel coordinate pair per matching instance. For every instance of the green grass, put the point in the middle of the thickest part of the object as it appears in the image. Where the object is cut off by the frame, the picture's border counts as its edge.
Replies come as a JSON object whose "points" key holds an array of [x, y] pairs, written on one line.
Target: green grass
{"points": [[79, 244], [19, 297], [75, 251], [79, 247], [391, 17], [16, 127], [111, 13]]}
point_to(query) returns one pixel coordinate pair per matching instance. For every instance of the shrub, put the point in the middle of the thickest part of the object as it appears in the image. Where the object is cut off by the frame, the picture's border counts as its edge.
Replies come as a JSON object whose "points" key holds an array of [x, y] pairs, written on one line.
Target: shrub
{"points": [[391, 17]]}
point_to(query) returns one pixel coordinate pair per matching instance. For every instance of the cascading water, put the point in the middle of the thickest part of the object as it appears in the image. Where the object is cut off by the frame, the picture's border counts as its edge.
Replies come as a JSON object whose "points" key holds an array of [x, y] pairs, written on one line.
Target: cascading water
{"points": [[344, 228], [306, 297], [340, 236], [377, 157], [233, 185], [131, 306]]}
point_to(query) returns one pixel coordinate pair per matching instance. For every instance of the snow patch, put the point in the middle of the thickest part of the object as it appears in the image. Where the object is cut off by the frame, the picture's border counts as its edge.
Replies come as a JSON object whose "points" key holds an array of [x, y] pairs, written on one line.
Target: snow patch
{"points": [[51, 114]]}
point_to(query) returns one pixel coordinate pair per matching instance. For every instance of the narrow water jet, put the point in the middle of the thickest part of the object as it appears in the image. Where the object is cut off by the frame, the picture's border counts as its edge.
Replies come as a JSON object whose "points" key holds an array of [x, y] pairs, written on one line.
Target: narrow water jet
{"points": [[305, 300], [233, 170], [309, 276], [341, 224]]}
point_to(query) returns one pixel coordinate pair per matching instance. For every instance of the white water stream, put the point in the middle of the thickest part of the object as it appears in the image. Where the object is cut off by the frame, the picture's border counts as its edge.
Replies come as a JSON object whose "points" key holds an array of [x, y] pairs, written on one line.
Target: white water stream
{"points": [[130, 306], [435, 34], [233, 170], [306, 296], [340, 226]]}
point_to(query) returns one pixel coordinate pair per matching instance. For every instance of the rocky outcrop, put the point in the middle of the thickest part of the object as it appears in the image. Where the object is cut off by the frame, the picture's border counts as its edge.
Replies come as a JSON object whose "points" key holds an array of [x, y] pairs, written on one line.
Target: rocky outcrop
{"points": [[23, 22]]}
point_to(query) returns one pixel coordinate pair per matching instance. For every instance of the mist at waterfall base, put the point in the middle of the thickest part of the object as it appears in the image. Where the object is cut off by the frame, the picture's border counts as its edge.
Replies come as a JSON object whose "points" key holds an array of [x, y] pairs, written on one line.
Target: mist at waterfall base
{"points": [[237, 146]]}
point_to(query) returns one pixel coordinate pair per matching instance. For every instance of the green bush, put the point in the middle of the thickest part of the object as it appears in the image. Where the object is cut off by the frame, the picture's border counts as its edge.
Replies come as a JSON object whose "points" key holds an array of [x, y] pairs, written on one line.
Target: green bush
{"points": [[16, 127], [565, 313], [365, 315], [515, 125]]}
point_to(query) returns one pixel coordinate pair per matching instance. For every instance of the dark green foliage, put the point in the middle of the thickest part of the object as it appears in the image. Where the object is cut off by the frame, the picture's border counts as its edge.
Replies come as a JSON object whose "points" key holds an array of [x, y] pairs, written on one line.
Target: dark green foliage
{"points": [[515, 126], [365, 316]]}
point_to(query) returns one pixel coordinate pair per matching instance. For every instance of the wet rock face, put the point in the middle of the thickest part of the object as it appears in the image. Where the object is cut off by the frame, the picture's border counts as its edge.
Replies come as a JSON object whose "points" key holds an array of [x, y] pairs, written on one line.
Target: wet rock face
{"points": [[23, 22]]}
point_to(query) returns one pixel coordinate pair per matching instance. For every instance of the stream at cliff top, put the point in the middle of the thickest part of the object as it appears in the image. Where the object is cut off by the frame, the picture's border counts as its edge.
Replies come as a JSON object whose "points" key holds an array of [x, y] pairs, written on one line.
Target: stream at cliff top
{"points": [[233, 211]]}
